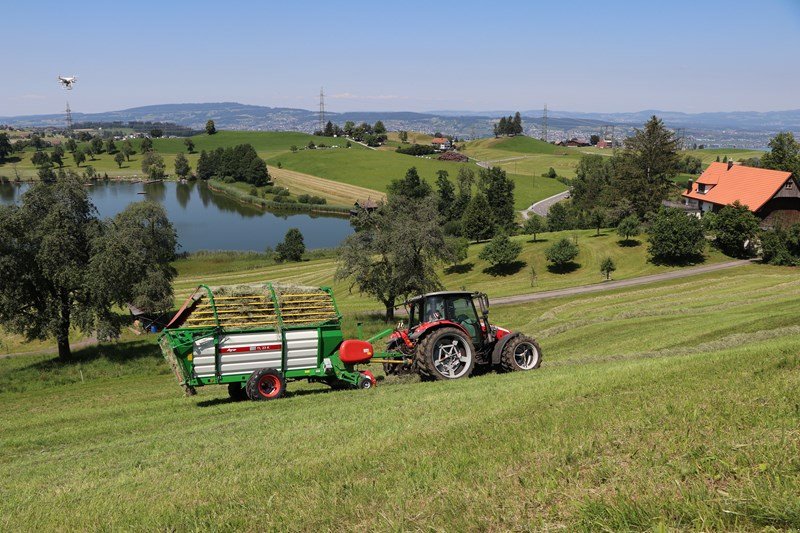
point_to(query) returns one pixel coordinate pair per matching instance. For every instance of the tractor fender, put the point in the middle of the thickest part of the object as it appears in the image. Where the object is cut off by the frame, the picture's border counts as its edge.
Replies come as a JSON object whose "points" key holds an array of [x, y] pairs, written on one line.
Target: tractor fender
{"points": [[431, 326], [499, 345]]}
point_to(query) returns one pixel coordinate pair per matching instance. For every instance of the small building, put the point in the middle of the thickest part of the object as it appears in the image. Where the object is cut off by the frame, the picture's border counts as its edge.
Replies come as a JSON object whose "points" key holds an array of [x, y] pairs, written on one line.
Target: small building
{"points": [[772, 195], [369, 205], [441, 143], [604, 143]]}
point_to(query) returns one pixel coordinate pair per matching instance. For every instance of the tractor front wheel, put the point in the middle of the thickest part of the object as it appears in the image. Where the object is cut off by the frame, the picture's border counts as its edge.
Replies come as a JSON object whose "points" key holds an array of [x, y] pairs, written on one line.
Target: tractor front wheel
{"points": [[521, 353], [266, 384], [446, 353]]}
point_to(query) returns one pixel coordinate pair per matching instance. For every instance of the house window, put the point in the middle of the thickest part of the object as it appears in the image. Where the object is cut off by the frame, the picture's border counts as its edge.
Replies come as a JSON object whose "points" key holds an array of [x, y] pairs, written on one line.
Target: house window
{"points": [[789, 184], [701, 188]]}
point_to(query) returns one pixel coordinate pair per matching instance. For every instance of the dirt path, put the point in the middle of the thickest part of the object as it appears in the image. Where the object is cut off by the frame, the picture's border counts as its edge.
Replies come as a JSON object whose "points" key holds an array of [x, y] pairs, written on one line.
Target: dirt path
{"points": [[610, 285], [542, 207], [335, 192]]}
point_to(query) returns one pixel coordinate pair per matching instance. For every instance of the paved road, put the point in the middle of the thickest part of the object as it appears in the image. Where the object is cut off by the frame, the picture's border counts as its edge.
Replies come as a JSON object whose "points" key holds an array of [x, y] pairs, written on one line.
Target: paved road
{"points": [[610, 285], [542, 207]]}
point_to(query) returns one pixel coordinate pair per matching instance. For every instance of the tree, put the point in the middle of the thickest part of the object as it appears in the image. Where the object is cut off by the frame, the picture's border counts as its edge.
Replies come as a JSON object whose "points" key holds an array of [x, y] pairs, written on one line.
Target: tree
{"points": [[499, 191], [63, 267], [79, 157], [516, 125], [182, 168], [735, 227], [40, 159], [153, 165], [57, 156], [598, 219], [476, 222], [594, 139], [349, 128], [646, 167], [558, 218], [534, 225], [111, 147], [311, 145], [119, 158], [211, 129], [403, 135], [379, 128], [675, 237], [607, 267], [395, 251], [189, 143], [501, 251], [446, 196], [147, 145], [71, 145], [329, 130], [155, 133], [502, 126], [127, 150], [410, 186], [5, 146], [89, 151], [37, 142], [780, 246], [292, 248], [97, 145], [784, 154], [628, 227], [561, 254]]}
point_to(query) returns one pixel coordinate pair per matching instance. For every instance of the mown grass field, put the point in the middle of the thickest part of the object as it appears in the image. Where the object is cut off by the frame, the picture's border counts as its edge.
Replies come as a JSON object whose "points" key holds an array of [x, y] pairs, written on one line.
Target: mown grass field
{"points": [[525, 156], [670, 406]]}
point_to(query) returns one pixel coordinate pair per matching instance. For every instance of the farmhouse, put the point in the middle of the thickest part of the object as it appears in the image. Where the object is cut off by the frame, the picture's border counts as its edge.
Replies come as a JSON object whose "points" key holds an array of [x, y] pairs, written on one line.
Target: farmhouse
{"points": [[771, 194], [604, 143], [441, 143]]}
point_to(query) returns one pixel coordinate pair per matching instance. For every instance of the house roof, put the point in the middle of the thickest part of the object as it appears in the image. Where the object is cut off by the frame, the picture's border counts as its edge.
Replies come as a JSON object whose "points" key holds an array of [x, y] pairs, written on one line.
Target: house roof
{"points": [[752, 186], [439, 140]]}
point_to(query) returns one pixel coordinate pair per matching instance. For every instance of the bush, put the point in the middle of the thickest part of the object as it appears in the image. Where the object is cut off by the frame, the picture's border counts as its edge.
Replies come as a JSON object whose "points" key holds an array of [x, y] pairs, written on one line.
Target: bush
{"points": [[228, 179], [317, 200], [735, 228], [675, 237], [501, 251], [304, 199], [781, 247], [561, 254], [416, 149], [282, 191], [253, 191]]}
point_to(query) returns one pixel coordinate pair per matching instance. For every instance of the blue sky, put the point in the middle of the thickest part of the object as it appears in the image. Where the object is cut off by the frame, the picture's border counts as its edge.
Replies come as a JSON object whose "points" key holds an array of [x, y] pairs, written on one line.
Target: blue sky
{"points": [[580, 56]]}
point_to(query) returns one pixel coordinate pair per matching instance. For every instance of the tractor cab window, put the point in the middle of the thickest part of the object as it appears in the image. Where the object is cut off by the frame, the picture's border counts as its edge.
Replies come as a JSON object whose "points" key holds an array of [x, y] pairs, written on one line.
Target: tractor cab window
{"points": [[433, 309], [462, 310]]}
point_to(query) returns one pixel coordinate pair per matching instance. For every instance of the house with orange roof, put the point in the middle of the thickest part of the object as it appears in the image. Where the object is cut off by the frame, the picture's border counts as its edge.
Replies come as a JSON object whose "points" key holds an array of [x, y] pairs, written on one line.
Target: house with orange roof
{"points": [[441, 143], [772, 195]]}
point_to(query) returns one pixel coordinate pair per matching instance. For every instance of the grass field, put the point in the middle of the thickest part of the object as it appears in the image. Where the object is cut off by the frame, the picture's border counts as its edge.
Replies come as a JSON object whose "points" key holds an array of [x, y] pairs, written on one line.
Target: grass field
{"points": [[525, 155], [710, 155], [665, 407]]}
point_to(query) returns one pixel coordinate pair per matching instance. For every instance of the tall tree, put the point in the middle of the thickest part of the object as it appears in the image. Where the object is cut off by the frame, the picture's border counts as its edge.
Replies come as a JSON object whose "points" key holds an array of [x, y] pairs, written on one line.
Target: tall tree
{"points": [[499, 191], [211, 128], [502, 126], [292, 248], [79, 157], [784, 154], [379, 128], [476, 222], [5, 146], [119, 158], [97, 145], [153, 165], [111, 147], [71, 145], [147, 145], [446, 196], [182, 168], [189, 143], [646, 166], [675, 237], [329, 130], [395, 251], [411, 186], [127, 150], [62, 266], [517, 124]]}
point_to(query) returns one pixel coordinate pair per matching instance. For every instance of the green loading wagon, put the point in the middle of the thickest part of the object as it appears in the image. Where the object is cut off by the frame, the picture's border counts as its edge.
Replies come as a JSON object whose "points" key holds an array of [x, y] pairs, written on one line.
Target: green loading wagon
{"points": [[256, 337]]}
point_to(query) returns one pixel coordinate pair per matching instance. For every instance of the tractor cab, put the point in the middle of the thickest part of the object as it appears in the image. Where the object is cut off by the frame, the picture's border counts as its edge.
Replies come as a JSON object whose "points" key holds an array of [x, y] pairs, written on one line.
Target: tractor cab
{"points": [[452, 306]]}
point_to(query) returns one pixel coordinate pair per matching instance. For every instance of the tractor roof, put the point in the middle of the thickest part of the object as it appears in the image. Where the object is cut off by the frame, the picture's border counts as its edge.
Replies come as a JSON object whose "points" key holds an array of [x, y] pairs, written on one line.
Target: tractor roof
{"points": [[440, 293]]}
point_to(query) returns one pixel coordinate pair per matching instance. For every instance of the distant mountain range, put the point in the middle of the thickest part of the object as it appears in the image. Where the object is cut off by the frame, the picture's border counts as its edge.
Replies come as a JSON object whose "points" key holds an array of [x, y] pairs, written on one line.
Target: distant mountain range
{"points": [[470, 124]]}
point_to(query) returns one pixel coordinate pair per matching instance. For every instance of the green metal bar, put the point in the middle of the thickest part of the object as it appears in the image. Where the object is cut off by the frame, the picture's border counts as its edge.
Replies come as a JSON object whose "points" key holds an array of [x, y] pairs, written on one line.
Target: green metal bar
{"points": [[380, 335], [335, 307], [281, 328]]}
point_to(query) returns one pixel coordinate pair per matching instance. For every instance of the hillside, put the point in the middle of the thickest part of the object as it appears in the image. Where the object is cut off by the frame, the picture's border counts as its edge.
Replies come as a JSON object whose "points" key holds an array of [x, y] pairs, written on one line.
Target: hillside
{"points": [[525, 156], [665, 407]]}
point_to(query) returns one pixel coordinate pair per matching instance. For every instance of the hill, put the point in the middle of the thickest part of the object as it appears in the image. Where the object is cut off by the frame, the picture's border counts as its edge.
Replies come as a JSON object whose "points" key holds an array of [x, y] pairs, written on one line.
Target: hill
{"points": [[665, 407]]}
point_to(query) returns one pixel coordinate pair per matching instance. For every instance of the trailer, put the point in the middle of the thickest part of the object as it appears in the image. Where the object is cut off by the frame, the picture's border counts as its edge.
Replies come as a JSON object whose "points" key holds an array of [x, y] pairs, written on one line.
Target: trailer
{"points": [[255, 338]]}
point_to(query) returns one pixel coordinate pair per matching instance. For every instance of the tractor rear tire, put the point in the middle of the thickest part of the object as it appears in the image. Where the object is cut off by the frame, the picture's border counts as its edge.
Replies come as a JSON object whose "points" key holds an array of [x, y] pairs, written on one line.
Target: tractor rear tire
{"points": [[446, 353], [266, 384], [237, 392], [520, 354]]}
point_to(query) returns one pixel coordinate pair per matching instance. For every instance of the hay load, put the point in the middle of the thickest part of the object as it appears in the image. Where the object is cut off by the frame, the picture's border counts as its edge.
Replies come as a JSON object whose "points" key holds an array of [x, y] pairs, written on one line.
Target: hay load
{"points": [[260, 305]]}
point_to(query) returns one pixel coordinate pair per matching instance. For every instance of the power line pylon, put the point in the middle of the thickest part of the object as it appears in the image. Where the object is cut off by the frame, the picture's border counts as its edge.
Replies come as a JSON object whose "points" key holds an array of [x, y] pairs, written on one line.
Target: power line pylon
{"points": [[69, 118], [321, 110], [544, 124]]}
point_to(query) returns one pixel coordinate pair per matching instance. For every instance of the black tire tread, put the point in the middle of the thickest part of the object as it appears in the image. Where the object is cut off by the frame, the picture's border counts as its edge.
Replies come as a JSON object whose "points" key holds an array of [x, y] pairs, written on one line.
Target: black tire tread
{"points": [[252, 384], [423, 362], [507, 355]]}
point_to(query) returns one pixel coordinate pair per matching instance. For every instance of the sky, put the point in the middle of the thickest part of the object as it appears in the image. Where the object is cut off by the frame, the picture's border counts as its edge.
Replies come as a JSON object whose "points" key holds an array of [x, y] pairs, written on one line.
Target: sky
{"points": [[612, 56]]}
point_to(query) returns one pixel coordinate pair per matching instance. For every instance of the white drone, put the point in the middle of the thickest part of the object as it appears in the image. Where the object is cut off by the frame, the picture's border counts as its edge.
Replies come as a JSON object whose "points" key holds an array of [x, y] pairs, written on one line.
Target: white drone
{"points": [[67, 82]]}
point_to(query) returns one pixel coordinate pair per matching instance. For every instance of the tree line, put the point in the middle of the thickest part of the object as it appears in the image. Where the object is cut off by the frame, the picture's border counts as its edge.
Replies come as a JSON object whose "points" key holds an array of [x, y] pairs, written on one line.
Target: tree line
{"points": [[510, 126], [371, 135]]}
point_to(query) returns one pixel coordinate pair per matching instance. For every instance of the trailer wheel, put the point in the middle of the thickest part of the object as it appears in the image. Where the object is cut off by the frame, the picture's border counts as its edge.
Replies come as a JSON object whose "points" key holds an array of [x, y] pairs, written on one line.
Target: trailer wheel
{"points": [[447, 353], [237, 392], [521, 353], [265, 384]]}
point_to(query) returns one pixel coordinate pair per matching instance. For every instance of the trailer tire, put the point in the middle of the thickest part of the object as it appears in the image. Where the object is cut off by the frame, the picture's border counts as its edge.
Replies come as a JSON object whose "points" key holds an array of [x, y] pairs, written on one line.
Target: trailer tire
{"points": [[520, 354], [237, 392], [265, 384], [365, 383], [433, 357]]}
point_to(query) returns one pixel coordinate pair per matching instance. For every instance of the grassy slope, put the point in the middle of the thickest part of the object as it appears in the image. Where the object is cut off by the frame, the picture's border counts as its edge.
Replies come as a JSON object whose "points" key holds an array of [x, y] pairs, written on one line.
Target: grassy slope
{"points": [[672, 404], [472, 274], [525, 155]]}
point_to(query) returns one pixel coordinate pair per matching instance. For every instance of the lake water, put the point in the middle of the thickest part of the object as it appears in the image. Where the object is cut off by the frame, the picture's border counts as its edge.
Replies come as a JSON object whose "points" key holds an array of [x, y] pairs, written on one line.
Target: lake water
{"points": [[206, 220]]}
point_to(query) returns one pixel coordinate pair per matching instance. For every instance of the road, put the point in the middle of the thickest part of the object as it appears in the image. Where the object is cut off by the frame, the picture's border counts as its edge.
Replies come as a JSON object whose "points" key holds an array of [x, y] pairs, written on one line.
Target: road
{"points": [[611, 285], [542, 207]]}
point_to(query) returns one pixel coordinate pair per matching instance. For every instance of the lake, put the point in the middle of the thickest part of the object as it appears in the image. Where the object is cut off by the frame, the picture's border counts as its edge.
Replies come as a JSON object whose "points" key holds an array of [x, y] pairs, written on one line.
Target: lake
{"points": [[206, 220]]}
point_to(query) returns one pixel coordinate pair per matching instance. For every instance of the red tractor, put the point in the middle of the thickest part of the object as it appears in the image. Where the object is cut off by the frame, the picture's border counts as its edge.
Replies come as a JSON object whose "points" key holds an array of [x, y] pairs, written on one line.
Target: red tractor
{"points": [[446, 338]]}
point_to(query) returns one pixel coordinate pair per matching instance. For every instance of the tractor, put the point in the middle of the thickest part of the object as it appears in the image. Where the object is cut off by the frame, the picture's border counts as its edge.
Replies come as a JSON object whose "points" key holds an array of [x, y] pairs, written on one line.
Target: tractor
{"points": [[446, 339]]}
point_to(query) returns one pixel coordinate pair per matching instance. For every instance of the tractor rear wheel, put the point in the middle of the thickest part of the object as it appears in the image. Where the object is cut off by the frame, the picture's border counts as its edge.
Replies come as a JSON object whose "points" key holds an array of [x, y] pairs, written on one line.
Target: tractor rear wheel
{"points": [[521, 353], [237, 392], [446, 353], [265, 384]]}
